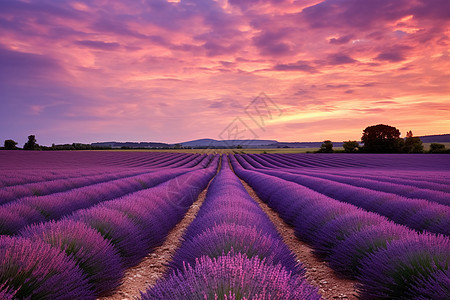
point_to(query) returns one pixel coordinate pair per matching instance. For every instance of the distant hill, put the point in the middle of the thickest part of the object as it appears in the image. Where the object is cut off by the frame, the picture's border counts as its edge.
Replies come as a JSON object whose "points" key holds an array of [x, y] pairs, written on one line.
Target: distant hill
{"points": [[439, 138], [132, 145], [212, 143], [228, 143]]}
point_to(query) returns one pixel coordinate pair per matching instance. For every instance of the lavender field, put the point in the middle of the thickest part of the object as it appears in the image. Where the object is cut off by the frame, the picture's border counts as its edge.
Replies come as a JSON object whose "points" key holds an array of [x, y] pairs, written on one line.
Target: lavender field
{"points": [[73, 224]]}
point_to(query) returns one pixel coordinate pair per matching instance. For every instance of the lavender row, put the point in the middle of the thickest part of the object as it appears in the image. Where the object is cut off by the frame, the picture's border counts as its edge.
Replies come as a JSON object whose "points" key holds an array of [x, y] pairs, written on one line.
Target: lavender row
{"points": [[390, 260], [417, 163], [435, 188], [418, 214], [232, 251], [88, 160], [10, 178], [15, 185], [48, 187], [26, 211], [403, 190], [84, 255], [428, 180], [230, 220]]}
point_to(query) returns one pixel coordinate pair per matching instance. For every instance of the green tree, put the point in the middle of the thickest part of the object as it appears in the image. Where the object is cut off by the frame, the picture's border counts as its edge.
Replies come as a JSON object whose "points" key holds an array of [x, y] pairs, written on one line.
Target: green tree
{"points": [[382, 139], [10, 145], [412, 144], [31, 144], [350, 146], [177, 146], [437, 148], [327, 147]]}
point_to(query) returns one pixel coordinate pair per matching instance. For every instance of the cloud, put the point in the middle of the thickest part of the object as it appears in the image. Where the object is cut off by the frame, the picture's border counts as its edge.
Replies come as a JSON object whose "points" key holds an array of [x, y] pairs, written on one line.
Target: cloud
{"points": [[17, 65], [340, 59], [298, 66], [273, 43], [99, 45], [341, 40]]}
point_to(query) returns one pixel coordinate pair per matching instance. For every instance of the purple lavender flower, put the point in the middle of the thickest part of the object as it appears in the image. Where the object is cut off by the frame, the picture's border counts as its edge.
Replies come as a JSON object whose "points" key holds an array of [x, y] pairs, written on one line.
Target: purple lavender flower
{"points": [[348, 255], [118, 229], [37, 270], [230, 238], [407, 267], [232, 277], [93, 254], [339, 229]]}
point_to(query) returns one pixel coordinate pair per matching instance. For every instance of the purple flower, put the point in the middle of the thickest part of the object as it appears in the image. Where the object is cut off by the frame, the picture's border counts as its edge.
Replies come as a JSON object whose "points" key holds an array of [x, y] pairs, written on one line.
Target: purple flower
{"points": [[232, 277], [406, 268], [37, 270], [93, 254]]}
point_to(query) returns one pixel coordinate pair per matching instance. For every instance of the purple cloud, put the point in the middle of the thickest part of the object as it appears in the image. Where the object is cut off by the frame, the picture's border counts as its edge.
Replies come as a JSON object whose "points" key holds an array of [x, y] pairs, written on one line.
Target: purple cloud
{"points": [[341, 40], [298, 66], [340, 59], [99, 45]]}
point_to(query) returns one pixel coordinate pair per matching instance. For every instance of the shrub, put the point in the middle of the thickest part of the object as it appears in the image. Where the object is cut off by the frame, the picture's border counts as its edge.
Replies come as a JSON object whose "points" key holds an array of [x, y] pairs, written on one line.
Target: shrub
{"points": [[351, 146], [437, 148], [92, 253], [50, 275], [228, 238], [327, 147], [337, 230], [232, 277], [407, 267], [346, 258], [118, 229]]}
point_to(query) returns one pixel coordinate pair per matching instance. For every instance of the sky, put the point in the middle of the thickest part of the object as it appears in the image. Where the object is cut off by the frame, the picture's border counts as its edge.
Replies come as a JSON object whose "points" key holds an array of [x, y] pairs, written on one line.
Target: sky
{"points": [[172, 71]]}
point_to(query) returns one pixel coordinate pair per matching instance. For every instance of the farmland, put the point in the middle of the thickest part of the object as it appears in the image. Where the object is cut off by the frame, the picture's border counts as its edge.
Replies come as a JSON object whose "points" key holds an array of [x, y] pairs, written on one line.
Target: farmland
{"points": [[223, 225]]}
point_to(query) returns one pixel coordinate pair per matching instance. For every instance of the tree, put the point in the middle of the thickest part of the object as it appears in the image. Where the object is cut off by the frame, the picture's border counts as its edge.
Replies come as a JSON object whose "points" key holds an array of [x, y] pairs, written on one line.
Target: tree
{"points": [[437, 148], [327, 147], [31, 144], [382, 139], [350, 146], [409, 134], [413, 144], [10, 145], [177, 146]]}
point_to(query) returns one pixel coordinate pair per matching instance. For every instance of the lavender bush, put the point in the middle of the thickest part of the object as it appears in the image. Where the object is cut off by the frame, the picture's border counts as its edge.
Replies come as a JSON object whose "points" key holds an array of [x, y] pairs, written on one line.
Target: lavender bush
{"points": [[37, 270], [232, 277], [96, 257], [408, 268]]}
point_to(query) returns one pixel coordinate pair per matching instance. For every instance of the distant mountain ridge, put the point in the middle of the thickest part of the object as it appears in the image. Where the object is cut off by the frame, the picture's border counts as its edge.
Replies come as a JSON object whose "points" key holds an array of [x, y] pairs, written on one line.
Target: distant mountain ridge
{"points": [[437, 138], [227, 143], [204, 143]]}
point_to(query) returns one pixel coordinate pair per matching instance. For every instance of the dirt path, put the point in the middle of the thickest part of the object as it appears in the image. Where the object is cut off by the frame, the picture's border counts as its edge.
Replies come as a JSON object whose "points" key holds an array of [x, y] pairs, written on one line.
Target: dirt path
{"points": [[317, 271]]}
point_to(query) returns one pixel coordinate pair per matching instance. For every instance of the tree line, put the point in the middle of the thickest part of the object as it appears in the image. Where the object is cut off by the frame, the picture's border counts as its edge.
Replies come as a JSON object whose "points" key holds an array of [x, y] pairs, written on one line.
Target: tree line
{"points": [[32, 144], [384, 139], [375, 139]]}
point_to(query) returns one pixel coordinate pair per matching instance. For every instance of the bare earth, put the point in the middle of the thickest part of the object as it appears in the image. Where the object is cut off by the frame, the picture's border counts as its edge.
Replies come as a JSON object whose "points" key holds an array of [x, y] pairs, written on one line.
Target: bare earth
{"points": [[317, 271]]}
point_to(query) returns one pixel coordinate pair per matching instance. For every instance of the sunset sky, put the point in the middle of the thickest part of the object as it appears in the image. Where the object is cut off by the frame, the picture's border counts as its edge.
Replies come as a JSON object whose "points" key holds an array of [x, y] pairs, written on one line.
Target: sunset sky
{"points": [[172, 71]]}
